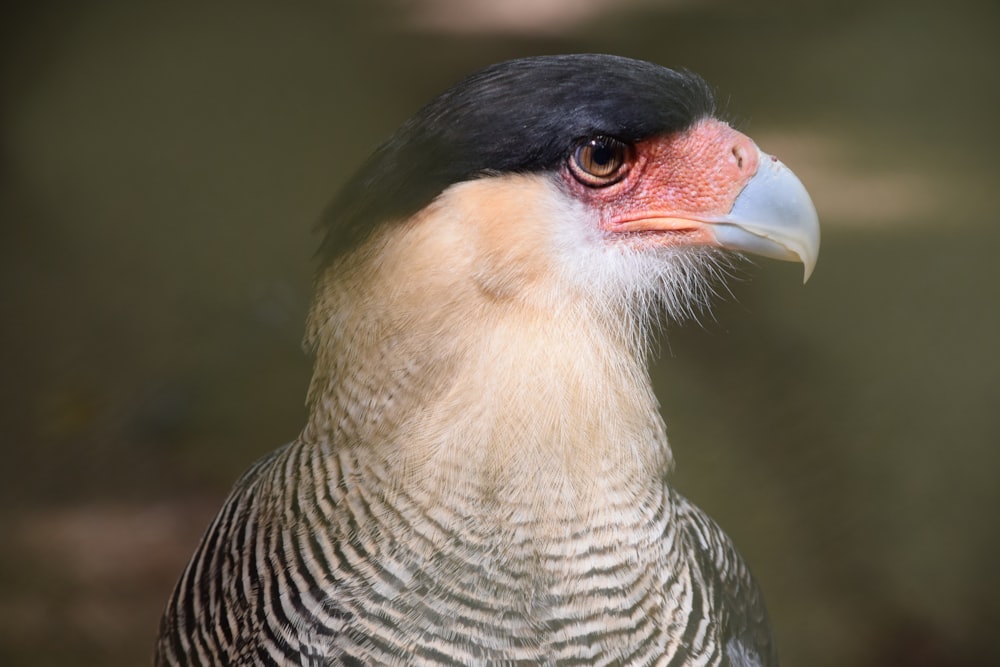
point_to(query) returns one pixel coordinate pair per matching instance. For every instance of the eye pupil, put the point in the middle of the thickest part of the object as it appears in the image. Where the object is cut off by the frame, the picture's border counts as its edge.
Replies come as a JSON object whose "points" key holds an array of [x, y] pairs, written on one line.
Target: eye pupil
{"points": [[601, 155], [599, 161]]}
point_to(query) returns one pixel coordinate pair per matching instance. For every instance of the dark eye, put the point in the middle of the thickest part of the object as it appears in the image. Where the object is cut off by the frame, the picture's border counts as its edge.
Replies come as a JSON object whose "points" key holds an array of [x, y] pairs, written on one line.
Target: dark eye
{"points": [[599, 161]]}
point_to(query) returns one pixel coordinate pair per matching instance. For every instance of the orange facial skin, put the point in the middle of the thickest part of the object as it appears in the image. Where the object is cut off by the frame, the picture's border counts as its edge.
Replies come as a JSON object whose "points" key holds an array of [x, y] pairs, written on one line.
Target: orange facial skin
{"points": [[672, 187]]}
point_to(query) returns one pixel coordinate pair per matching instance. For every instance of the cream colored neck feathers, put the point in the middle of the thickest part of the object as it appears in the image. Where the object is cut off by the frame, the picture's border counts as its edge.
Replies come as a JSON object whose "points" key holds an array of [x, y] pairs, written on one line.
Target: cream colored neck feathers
{"points": [[495, 336]]}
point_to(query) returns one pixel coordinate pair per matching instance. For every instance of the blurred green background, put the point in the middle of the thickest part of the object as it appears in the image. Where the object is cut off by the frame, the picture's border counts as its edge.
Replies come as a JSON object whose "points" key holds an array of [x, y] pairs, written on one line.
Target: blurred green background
{"points": [[161, 169]]}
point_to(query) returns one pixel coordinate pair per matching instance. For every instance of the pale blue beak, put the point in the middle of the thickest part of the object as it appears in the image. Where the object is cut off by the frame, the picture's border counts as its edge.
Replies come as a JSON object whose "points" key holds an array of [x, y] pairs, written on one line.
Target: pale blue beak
{"points": [[772, 216]]}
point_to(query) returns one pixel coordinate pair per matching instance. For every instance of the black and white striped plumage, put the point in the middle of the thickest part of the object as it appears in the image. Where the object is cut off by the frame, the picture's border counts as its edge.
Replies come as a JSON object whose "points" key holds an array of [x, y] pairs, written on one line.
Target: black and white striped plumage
{"points": [[482, 480]]}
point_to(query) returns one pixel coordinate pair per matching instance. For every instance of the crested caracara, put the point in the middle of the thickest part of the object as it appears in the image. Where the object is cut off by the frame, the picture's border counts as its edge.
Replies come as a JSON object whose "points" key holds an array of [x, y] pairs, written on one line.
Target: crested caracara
{"points": [[483, 478]]}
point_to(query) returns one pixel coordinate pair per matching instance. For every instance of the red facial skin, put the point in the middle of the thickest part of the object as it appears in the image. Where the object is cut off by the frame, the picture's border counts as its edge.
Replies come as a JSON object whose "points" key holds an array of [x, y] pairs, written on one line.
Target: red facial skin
{"points": [[675, 185]]}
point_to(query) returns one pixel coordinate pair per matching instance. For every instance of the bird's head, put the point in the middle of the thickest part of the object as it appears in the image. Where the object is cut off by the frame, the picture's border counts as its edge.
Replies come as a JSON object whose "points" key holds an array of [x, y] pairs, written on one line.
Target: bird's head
{"points": [[628, 149], [549, 190]]}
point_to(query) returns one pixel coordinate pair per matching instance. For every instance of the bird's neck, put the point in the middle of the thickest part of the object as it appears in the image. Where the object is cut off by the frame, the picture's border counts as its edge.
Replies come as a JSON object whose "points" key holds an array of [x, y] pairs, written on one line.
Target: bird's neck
{"points": [[518, 409], [452, 382], [520, 405]]}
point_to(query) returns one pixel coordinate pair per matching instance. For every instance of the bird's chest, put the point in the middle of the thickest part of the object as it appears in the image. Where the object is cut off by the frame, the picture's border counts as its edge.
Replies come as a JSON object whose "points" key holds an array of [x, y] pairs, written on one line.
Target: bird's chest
{"points": [[485, 584]]}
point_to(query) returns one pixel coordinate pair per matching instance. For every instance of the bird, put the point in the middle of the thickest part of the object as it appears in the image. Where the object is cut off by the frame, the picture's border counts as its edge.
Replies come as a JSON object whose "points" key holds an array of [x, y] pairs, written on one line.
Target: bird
{"points": [[483, 476]]}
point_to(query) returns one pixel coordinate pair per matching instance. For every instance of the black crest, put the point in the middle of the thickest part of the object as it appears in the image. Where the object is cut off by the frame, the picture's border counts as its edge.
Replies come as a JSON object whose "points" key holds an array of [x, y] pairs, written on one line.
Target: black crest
{"points": [[518, 116]]}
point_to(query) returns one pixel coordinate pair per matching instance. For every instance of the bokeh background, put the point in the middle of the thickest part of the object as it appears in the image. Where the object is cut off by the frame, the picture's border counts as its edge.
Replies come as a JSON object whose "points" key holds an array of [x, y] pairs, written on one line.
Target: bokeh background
{"points": [[161, 169]]}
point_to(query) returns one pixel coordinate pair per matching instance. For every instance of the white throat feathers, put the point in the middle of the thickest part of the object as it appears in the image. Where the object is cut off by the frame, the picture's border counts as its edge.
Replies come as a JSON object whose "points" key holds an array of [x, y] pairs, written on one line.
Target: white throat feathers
{"points": [[499, 333]]}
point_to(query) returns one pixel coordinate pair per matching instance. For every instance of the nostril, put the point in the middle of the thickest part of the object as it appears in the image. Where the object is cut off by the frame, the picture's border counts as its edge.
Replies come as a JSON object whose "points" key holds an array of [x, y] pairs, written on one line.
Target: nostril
{"points": [[744, 153]]}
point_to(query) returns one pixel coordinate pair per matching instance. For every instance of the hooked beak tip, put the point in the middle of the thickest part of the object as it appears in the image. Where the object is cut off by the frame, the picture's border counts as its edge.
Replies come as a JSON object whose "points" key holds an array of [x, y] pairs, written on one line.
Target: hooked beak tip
{"points": [[773, 216]]}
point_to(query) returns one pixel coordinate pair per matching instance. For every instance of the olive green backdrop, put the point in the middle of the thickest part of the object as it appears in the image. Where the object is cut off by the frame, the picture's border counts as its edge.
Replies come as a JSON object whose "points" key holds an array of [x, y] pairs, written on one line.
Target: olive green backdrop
{"points": [[161, 169]]}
